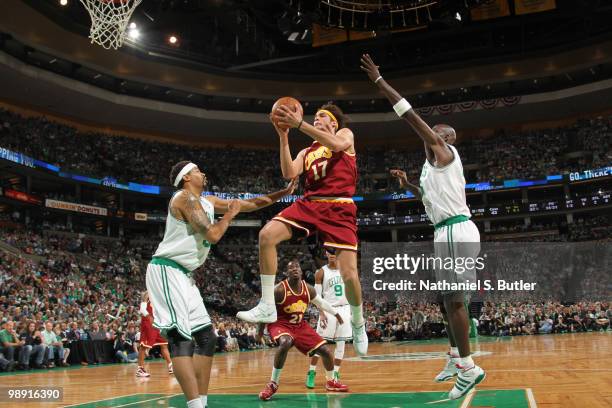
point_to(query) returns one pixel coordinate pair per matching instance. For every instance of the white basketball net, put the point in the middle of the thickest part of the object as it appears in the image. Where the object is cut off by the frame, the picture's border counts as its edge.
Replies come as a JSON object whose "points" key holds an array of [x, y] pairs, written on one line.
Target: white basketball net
{"points": [[109, 20]]}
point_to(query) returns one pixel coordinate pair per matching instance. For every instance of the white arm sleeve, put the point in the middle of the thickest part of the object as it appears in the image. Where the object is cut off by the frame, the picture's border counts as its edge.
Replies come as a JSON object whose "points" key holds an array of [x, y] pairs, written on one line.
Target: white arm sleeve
{"points": [[143, 309], [322, 304], [319, 289]]}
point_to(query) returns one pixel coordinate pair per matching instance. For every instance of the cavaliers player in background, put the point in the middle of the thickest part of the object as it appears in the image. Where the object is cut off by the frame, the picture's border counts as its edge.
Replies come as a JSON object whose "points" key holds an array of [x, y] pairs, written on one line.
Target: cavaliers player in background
{"points": [[149, 338], [292, 297], [327, 208]]}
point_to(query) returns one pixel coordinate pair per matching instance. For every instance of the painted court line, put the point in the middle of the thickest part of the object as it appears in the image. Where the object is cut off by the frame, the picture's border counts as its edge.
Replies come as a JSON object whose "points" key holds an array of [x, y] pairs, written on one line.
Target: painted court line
{"points": [[148, 400], [550, 369], [103, 399], [468, 399], [438, 401], [531, 398]]}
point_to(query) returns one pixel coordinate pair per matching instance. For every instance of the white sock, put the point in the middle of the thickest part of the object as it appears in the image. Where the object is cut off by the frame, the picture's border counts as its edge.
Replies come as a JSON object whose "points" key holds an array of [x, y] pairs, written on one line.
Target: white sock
{"points": [[267, 288], [313, 368], [337, 368], [276, 372], [204, 399], [195, 403], [357, 315], [329, 375], [465, 362], [454, 352]]}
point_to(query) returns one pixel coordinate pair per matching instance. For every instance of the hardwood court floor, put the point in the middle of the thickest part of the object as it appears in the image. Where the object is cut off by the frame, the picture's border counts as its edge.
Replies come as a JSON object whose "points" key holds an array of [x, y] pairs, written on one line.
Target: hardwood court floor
{"points": [[570, 370]]}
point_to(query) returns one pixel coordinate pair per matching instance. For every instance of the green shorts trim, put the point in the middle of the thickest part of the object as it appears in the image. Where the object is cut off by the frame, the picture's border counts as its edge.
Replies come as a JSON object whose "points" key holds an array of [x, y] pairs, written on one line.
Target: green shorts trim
{"points": [[452, 220], [170, 262]]}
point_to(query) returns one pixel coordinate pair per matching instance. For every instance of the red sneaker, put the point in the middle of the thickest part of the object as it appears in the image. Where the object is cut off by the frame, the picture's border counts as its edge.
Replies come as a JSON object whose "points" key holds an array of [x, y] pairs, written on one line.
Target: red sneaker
{"points": [[335, 386], [268, 391]]}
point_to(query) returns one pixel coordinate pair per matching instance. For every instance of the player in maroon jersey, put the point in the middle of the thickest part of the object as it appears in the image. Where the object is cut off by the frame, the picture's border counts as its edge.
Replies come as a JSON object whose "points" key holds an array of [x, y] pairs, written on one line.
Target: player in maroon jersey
{"points": [[292, 297], [327, 208], [149, 338]]}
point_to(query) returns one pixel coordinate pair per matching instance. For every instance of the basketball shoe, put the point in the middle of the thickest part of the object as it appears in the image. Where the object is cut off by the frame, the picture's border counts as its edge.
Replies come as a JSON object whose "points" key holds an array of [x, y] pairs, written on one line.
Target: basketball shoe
{"points": [[450, 370], [141, 372], [335, 386], [360, 339], [268, 391], [467, 378], [170, 369], [310, 379], [262, 313]]}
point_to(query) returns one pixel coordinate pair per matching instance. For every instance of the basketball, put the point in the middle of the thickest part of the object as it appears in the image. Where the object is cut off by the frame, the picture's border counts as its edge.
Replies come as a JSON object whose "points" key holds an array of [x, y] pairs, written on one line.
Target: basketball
{"points": [[292, 103]]}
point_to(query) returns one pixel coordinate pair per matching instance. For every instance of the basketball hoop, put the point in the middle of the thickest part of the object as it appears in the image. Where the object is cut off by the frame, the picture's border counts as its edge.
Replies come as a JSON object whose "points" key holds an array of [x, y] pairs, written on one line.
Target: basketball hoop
{"points": [[109, 20]]}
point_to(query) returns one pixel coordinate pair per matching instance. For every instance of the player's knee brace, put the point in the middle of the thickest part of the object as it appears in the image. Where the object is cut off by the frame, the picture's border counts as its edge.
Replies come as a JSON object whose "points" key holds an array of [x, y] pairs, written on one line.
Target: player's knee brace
{"points": [[339, 352], [178, 345], [206, 341]]}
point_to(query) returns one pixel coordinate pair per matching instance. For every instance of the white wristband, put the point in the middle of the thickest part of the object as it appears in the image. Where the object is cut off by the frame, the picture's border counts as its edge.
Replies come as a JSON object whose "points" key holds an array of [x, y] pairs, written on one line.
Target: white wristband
{"points": [[402, 107], [378, 79]]}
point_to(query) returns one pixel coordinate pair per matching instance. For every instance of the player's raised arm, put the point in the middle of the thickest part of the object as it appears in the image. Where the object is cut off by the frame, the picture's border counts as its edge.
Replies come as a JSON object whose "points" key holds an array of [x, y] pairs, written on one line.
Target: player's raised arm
{"points": [[443, 155], [256, 203], [404, 183], [190, 209], [290, 168], [342, 140]]}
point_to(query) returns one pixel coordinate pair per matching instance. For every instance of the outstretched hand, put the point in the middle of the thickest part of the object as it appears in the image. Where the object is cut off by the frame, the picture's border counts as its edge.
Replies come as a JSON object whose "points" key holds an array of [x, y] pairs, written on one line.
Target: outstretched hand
{"points": [[401, 176], [369, 67], [292, 186]]}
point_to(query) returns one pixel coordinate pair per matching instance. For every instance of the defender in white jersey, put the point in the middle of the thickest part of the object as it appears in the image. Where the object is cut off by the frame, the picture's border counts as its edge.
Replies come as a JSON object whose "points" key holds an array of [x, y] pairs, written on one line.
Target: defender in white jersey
{"points": [[178, 308], [442, 190], [330, 286]]}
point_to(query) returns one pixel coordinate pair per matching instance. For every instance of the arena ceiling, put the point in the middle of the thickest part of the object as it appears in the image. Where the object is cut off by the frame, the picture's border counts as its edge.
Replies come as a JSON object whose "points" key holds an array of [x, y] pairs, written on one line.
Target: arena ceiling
{"points": [[275, 37]]}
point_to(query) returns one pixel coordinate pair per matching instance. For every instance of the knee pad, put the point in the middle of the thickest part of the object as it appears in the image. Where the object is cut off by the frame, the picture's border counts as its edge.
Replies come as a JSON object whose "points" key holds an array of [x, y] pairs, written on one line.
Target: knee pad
{"points": [[339, 352], [206, 341], [178, 345]]}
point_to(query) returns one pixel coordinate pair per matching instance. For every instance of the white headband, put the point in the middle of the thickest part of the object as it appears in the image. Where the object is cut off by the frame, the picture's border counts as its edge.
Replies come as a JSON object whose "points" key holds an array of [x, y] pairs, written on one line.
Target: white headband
{"points": [[185, 170]]}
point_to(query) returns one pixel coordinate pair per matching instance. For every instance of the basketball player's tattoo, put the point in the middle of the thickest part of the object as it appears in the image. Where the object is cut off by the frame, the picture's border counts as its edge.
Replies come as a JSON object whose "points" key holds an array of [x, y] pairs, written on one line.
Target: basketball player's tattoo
{"points": [[194, 213]]}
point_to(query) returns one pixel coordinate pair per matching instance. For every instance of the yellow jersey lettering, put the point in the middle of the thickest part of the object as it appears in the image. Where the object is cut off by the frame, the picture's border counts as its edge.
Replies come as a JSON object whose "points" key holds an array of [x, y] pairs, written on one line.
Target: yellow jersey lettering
{"points": [[317, 154], [297, 307]]}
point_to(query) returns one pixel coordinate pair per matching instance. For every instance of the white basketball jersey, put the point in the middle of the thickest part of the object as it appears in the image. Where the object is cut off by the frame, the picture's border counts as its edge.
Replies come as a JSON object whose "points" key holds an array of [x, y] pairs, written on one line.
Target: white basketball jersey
{"points": [[333, 287], [181, 243], [443, 190]]}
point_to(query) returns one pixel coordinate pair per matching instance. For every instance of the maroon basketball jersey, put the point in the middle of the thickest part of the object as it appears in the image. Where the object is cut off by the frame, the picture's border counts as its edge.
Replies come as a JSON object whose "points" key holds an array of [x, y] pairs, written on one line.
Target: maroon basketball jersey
{"points": [[149, 309], [291, 310], [328, 173]]}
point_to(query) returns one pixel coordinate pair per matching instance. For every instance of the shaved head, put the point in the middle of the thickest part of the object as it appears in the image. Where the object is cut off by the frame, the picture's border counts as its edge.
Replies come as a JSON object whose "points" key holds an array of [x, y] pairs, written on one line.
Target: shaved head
{"points": [[446, 132]]}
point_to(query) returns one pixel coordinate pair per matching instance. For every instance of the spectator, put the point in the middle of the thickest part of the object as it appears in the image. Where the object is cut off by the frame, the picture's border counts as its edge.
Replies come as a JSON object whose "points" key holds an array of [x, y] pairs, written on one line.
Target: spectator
{"points": [[124, 349], [55, 348], [33, 339], [14, 346]]}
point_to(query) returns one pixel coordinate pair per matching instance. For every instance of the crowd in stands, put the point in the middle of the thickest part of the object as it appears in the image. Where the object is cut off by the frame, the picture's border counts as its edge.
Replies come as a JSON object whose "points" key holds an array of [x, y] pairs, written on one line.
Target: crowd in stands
{"points": [[59, 288], [396, 321], [88, 288], [583, 228], [515, 319], [505, 155], [91, 287]]}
